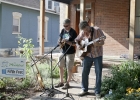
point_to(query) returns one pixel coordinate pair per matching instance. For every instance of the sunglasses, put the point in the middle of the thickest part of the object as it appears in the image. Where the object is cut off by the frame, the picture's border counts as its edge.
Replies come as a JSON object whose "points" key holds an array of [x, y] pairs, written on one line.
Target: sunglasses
{"points": [[66, 25]]}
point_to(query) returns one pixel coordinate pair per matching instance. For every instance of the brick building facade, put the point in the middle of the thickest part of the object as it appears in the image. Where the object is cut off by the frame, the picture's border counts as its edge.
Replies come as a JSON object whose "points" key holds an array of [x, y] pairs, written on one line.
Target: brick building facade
{"points": [[113, 17]]}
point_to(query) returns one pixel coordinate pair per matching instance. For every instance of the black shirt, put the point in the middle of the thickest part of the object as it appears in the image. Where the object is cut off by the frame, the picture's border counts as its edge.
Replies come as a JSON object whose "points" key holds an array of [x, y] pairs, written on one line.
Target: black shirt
{"points": [[70, 36]]}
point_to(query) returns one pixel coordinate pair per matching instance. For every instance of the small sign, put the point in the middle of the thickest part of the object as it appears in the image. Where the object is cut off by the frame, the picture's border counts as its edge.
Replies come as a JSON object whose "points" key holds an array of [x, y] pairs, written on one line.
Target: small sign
{"points": [[13, 67]]}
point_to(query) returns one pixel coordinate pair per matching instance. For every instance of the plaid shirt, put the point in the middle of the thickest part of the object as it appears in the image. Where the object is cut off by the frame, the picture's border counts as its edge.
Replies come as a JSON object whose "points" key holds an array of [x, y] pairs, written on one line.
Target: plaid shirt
{"points": [[96, 51]]}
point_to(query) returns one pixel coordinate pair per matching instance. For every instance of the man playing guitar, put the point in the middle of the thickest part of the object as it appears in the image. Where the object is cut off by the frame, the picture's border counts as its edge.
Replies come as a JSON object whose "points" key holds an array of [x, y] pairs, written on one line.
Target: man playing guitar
{"points": [[66, 41], [93, 54]]}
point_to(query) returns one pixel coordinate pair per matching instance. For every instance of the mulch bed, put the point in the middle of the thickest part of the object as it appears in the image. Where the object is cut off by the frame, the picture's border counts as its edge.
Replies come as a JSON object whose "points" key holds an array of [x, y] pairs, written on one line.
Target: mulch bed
{"points": [[9, 93]]}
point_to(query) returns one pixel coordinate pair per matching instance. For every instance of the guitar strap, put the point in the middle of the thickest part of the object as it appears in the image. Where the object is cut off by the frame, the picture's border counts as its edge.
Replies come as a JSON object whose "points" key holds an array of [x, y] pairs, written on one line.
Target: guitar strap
{"points": [[92, 31], [90, 39]]}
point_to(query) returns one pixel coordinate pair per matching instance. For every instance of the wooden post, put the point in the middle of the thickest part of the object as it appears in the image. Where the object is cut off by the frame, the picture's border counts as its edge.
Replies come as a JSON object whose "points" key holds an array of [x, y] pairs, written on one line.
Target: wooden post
{"points": [[131, 30], [42, 26], [82, 10]]}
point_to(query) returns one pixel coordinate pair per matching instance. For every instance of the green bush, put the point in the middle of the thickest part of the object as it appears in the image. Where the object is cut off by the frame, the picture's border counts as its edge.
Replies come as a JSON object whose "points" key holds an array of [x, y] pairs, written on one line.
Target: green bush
{"points": [[25, 45], [122, 76]]}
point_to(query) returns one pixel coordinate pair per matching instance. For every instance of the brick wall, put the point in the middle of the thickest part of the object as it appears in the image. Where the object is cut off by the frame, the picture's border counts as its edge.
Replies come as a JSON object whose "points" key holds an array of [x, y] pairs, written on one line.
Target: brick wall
{"points": [[112, 16]]}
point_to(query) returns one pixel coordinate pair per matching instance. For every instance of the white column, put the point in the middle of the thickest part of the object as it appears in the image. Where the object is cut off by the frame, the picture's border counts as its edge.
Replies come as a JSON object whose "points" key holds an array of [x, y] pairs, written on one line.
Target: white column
{"points": [[82, 10], [131, 30]]}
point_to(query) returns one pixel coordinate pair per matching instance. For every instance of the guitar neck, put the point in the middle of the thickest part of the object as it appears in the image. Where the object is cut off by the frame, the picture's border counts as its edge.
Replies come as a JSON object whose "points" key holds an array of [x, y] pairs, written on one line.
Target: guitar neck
{"points": [[92, 42]]}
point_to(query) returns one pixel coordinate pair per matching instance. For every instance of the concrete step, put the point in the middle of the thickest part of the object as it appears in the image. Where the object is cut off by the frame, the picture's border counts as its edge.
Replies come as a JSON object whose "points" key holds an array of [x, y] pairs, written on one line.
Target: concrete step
{"points": [[108, 61]]}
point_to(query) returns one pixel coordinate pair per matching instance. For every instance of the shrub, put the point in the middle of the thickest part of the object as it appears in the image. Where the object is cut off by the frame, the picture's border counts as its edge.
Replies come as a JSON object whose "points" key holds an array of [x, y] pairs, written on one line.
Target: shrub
{"points": [[122, 76], [2, 84]]}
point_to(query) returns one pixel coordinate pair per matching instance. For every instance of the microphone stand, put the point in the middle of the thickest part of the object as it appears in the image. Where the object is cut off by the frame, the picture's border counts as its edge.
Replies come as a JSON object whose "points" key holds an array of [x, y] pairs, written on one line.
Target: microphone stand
{"points": [[67, 94], [51, 90], [63, 55]]}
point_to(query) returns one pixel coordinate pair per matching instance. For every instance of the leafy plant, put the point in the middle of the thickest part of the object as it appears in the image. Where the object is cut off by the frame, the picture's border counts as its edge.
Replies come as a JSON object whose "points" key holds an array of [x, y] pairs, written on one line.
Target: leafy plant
{"points": [[2, 84], [25, 46], [122, 76], [2, 96], [18, 97], [55, 72]]}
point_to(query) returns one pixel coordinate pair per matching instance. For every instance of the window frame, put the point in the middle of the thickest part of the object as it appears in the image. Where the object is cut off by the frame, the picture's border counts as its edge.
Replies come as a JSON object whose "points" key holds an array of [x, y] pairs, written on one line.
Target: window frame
{"points": [[86, 6], [45, 29], [17, 15], [47, 1]]}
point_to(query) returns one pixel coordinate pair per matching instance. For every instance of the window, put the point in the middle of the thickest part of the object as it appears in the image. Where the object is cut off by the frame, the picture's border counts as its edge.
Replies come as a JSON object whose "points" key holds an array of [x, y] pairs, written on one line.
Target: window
{"points": [[45, 29], [52, 5], [16, 22], [137, 20], [49, 4], [87, 6], [78, 7]]}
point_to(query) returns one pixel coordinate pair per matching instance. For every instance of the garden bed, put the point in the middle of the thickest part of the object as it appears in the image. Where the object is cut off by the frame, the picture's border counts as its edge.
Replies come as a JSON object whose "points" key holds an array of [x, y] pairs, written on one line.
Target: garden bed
{"points": [[124, 82]]}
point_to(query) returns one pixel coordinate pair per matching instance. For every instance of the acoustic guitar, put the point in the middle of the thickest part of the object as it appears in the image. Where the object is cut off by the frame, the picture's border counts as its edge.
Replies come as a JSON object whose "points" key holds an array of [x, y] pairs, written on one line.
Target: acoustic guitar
{"points": [[38, 76], [85, 44]]}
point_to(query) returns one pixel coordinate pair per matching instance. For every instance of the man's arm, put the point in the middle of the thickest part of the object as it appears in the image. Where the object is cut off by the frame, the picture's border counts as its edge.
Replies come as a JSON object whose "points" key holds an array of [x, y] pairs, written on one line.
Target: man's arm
{"points": [[78, 40], [100, 42]]}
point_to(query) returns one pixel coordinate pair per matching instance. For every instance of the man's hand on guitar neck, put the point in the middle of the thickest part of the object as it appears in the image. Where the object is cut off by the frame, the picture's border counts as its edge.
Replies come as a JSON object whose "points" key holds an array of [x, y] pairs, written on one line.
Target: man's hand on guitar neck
{"points": [[99, 43]]}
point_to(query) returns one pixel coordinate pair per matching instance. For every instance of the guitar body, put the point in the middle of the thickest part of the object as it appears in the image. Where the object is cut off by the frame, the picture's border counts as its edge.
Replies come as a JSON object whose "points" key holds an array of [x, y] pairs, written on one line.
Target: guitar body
{"points": [[86, 49], [86, 45], [62, 44]]}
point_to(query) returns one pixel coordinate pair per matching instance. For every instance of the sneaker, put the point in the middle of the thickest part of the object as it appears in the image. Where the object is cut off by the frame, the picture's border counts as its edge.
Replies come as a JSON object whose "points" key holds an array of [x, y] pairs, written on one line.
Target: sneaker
{"points": [[82, 93], [98, 96], [66, 86], [59, 85]]}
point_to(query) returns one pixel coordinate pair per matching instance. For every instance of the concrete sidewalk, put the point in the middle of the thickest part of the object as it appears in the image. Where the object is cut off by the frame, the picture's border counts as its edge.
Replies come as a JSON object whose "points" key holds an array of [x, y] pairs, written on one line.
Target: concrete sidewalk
{"points": [[73, 91]]}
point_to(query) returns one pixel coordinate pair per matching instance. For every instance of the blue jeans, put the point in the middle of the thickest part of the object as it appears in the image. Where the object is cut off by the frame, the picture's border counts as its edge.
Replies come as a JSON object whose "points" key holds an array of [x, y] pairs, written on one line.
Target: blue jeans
{"points": [[87, 63]]}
